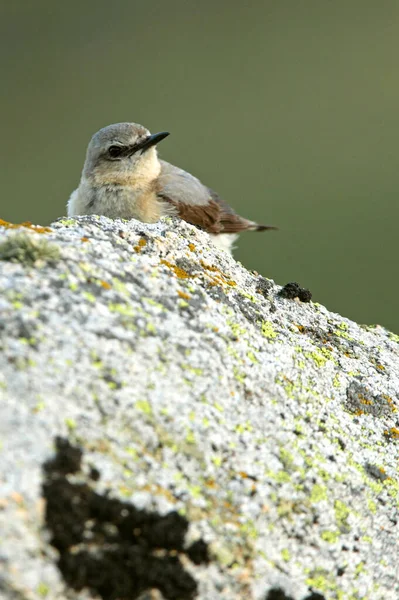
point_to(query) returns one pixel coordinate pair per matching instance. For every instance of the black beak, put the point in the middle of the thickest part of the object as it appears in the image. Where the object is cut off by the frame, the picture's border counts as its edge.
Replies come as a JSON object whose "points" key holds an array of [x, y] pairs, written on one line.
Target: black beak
{"points": [[151, 140]]}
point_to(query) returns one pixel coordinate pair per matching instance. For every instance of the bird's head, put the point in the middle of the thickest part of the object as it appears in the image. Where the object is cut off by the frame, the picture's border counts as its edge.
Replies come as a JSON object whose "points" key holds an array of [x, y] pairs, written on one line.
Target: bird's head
{"points": [[121, 154]]}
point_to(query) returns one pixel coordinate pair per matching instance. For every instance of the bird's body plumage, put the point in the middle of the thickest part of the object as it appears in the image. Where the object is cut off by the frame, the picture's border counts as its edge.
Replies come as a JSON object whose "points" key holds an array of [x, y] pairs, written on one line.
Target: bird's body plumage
{"points": [[137, 184]]}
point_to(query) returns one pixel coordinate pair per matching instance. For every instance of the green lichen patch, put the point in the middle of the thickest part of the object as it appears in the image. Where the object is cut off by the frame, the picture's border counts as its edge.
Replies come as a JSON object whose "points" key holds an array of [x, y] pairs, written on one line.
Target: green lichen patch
{"points": [[318, 493], [342, 513], [236, 329], [28, 250], [319, 357], [322, 581], [123, 309], [285, 555], [67, 222], [330, 536], [89, 297], [268, 330], [144, 406], [43, 590], [287, 459]]}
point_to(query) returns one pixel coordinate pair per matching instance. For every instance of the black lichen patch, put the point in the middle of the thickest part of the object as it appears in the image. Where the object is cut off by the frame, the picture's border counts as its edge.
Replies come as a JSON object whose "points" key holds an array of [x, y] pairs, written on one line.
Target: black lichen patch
{"points": [[332, 337], [263, 286], [237, 302], [318, 335], [198, 552], [109, 546], [279, 594], [294, 290], [375, 472], [328, 339], [360, 400], [217, 293], [27, 249]]}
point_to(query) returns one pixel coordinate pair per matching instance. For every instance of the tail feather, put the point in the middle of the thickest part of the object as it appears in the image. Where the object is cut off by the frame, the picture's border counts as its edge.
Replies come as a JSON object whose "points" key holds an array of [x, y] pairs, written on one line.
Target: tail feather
{"points": [[257, 227]]}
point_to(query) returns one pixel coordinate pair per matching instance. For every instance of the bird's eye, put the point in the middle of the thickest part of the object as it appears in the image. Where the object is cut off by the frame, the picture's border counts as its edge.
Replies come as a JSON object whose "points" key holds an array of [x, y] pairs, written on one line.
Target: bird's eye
{"points": [[115, 151]]}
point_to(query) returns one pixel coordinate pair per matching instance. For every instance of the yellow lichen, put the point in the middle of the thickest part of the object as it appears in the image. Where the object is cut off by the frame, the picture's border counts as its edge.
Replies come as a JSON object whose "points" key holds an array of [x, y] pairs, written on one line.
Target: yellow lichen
{"points": [[183, 295], [218, 279], [26, 224], [390, 403], [180, 273], [140, 245], [392, 432], [364, 400]]}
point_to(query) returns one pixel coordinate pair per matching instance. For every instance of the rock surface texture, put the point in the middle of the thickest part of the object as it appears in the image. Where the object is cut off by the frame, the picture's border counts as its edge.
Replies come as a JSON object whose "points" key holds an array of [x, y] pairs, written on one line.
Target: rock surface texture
{"points": [[171, 428]]}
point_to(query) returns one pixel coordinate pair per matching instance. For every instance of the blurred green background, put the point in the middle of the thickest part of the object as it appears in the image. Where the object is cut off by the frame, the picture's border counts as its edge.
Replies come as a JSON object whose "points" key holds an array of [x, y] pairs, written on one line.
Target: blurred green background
{"points": [[290, 110]]}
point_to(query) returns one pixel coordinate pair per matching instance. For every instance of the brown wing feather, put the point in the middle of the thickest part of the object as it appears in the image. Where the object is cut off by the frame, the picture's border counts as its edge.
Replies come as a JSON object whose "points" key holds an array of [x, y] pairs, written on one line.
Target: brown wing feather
{"points": [[229, 221], [207, 217], [215, 217]]}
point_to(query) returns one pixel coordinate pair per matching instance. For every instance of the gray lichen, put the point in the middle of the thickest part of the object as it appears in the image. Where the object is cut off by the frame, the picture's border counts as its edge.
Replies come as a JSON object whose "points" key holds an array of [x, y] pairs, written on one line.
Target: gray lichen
{"points": [[270, 426]]}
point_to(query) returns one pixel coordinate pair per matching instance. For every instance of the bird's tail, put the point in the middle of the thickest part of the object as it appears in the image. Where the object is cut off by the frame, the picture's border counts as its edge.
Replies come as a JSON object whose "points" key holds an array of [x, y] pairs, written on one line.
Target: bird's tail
{"points": [[257, 227]]}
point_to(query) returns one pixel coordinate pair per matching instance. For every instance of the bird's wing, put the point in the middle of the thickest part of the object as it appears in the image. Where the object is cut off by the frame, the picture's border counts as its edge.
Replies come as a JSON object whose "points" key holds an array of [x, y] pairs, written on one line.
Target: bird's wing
{"points": [[198, 204]]}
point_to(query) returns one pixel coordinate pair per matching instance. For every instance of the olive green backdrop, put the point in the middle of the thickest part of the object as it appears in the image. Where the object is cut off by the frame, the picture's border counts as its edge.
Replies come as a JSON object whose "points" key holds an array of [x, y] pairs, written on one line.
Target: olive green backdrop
{"points": [[290, 110]]}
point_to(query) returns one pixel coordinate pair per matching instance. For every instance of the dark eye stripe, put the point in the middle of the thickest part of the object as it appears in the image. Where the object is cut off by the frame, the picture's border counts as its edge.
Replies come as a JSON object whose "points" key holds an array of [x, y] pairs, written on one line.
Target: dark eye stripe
{"points": [[116, 151]]}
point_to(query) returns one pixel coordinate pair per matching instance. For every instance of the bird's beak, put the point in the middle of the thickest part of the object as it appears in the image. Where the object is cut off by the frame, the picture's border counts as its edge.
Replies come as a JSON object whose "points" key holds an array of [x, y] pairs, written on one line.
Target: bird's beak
{"points": [[151, 140]]}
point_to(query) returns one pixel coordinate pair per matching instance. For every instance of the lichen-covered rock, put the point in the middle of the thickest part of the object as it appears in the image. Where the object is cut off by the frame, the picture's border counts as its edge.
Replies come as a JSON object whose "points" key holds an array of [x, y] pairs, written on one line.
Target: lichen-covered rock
{"points": [[170, 427]]}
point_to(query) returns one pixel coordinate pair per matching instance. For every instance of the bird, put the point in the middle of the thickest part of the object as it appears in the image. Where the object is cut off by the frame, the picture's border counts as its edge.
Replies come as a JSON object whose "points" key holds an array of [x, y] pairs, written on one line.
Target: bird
{"points": [[124, 178]]}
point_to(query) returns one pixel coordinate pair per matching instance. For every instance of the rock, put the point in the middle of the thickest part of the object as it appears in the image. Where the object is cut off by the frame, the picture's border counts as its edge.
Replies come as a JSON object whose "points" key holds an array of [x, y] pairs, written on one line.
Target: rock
{"points": [[172, 428]]}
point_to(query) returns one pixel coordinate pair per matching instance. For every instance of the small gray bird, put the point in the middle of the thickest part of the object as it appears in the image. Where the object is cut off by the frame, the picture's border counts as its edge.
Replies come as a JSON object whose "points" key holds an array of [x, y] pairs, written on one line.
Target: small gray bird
{"points": [[124, 178]]}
